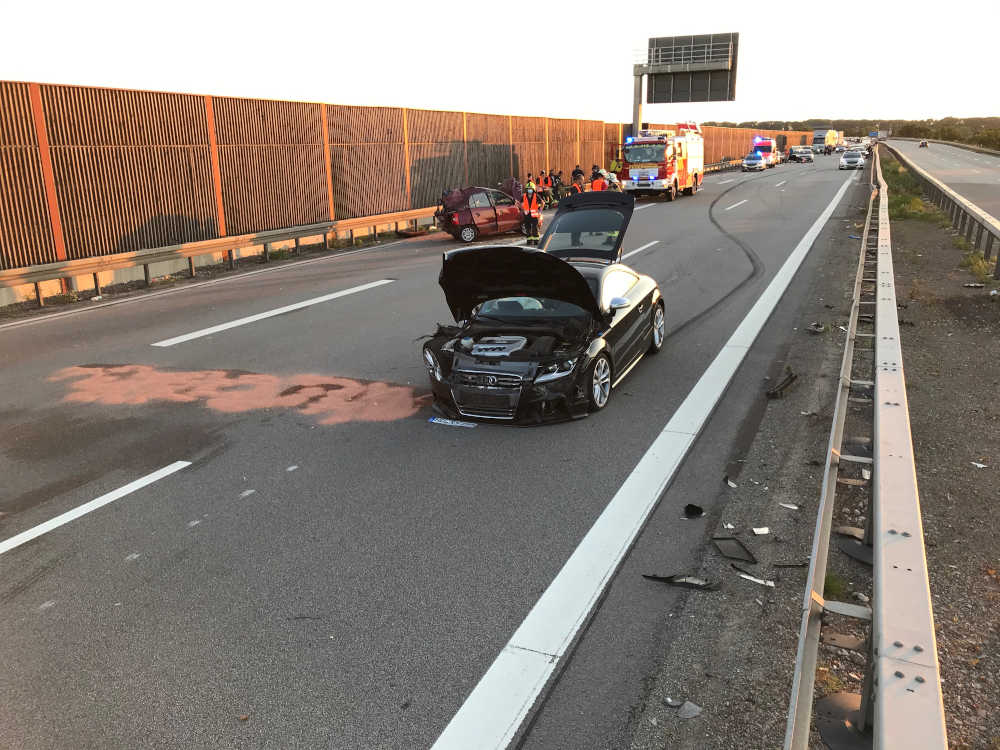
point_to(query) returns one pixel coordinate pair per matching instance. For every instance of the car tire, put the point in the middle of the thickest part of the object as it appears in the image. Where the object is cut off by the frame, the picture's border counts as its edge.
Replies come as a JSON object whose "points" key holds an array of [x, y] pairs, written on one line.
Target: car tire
{"points": [[671, 193], [694, 186], [468, 233], [599, 382], [659, 325]]}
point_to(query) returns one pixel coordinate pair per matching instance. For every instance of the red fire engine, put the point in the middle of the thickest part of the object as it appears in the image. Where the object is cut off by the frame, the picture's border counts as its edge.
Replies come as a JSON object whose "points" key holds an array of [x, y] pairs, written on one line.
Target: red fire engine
{"points": [[664, 161]]}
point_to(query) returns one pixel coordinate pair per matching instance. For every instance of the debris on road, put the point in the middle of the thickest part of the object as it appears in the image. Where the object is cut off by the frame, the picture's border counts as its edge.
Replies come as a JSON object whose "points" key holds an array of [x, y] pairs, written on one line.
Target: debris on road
{"points": [[727, 525], [732, 548], [755, 579], [974, 285], [803, 564], [979, 465], [853, 237], [450, 422], [729, 481], [689, 710], [684, 581], [693, 511], [816, 327], [863, 598], [762, 530], [673, 702], [790, 506], [779, 390]]}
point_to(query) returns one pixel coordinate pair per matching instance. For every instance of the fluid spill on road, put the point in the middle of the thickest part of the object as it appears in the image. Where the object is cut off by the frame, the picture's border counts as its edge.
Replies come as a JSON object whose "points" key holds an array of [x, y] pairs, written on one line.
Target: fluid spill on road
{"points": [[331, 400]]}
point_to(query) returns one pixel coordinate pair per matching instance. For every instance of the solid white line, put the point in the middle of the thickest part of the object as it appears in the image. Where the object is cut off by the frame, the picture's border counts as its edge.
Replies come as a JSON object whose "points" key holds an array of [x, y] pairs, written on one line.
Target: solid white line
{"points": [[737, 204], [723, 182], [645, 205], [270, 313], [639, 249], [494, 711], [80, 510], [781, 183]]}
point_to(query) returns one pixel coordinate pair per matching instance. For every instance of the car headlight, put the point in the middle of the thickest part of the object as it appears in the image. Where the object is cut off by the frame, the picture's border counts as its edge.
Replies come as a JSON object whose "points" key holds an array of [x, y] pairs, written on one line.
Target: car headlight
{"points": [[432, 364], [554, 371]]}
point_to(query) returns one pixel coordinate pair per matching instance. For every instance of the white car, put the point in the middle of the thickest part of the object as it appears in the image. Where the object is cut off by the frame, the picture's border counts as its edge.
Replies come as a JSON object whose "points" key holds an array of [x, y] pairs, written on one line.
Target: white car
{"points": [[852, 160], [754, 162]]}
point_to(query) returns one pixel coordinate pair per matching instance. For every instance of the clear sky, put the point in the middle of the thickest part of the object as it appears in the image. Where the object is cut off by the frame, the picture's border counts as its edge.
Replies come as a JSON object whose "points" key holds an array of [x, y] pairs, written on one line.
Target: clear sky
{"points": [[907, 59]]}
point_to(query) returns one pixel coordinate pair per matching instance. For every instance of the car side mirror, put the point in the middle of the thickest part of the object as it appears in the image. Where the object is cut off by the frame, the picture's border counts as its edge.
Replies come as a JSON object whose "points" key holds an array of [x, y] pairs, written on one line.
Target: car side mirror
{"points": [[617, 303]]}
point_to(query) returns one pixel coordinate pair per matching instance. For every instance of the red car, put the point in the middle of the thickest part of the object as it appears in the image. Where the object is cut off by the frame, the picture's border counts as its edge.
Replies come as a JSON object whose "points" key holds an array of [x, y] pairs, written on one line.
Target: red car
{"points": [[477, 211]]}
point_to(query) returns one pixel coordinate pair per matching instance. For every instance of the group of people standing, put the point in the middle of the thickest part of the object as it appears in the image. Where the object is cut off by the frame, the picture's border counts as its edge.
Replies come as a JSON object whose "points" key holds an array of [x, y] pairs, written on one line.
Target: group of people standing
{"points": [[544, 191]]}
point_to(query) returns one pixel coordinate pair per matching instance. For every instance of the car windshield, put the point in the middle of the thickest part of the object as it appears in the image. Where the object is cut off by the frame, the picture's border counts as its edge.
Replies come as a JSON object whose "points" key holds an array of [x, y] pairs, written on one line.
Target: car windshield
{"points": [[520, 308], [764, 148], [637, 153], [753, 157], [591, 231]]}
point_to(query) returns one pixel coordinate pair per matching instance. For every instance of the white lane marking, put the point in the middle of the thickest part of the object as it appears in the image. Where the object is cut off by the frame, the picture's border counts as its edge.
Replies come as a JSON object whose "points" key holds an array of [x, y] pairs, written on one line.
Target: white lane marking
{"points": [[493, 712], [645, 205], [737, 204], [81, 510], [293, 467], [270, 313], [639, 249], [781, 183], [723, 182]]}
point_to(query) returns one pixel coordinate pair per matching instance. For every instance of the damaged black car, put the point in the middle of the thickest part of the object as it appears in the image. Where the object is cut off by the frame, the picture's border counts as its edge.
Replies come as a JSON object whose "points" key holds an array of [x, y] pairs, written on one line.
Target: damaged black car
{"points": [[544, 333]]}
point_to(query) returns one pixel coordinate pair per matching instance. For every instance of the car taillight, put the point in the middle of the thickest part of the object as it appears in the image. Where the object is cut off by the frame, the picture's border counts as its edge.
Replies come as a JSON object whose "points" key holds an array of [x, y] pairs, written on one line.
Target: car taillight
{"points": [[453, 218]]}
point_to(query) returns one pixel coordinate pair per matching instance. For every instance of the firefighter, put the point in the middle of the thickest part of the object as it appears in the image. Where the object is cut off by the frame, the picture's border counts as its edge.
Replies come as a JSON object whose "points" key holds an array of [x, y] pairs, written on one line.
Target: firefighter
{"points": [[577, 186], [598, 182], [577, 172], [531, 206]]}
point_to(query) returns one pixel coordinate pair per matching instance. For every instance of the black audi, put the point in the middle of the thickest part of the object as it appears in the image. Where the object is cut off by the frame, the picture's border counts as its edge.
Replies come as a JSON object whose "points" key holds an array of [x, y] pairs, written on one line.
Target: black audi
{"points": [[545, 333]]}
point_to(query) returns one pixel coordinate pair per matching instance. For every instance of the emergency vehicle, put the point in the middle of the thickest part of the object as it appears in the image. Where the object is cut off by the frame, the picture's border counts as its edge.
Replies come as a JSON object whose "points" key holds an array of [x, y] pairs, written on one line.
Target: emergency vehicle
{"points": [[664, 161], [768, 150]]}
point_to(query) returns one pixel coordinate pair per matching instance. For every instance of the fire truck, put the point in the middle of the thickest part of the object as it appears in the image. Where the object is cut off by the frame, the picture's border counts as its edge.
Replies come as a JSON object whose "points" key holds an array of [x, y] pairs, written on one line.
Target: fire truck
{"points": [[664, 161], [768, 150]]}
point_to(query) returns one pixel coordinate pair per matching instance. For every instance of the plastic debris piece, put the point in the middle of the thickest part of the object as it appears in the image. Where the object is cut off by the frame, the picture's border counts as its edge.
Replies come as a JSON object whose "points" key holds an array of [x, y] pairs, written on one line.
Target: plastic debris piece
{"points": [[853, 237], [684, 581], [755, 579], [451, 422], [779, 390], [791, 564], [978, 465], [816, 327], [727, 525], [974, 285], [689, 710], [733, 548], [866, 474], [842, 328], [863, 598], [729, 481], [673, 702], [790, 506], [995, 292], [759, 601], [693, 511], [808, 413], [761, 530]]}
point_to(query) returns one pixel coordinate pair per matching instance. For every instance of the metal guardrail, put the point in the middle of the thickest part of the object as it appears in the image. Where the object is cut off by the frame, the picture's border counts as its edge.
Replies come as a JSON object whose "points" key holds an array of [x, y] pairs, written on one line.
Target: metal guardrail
{"points": [[978, 227], [901, 705], [229, 245]]}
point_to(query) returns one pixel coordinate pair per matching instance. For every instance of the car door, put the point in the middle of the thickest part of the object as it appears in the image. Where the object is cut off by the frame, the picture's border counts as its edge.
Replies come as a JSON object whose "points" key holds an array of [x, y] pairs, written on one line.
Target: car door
{"points": [[508, 214], [484, 216], [626, 323]]}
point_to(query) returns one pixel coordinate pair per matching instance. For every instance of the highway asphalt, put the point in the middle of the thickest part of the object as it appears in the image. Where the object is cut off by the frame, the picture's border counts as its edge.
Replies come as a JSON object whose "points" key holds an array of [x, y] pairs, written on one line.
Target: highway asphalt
{"points": [[331, 569], [974, 176]]}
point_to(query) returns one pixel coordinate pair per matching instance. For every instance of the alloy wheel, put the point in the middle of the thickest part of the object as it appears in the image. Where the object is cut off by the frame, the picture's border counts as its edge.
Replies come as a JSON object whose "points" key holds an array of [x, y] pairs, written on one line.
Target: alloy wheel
{"points": [[600, 382]]}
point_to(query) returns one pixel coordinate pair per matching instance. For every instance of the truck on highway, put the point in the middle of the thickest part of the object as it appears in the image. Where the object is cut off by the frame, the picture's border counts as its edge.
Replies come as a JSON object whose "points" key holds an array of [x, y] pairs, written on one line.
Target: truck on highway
{"points": [[824, 138], [664, 161]]}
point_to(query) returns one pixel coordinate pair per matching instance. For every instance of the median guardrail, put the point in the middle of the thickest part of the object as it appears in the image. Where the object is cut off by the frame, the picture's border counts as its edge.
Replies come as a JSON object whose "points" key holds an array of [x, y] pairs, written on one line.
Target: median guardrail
{"points": [[228, 245], [978, 227], [900, 705]]}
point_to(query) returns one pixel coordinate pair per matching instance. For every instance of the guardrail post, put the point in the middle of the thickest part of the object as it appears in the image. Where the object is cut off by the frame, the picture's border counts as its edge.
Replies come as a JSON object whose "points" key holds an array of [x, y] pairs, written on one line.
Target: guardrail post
{"points": [[267, 252], [232, 259], [350, 234], [988, 250], [191, 266], [97, 285], [145, 273], [298, 245], [38, 295]]}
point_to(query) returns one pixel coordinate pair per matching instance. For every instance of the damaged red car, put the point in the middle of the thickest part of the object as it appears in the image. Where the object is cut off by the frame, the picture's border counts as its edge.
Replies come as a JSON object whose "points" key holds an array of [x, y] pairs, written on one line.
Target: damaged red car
{"points": [[474, 212]]}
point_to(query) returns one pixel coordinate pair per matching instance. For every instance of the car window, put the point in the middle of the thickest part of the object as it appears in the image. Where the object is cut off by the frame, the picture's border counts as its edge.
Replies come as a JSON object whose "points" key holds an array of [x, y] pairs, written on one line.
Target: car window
{"points": [[479, 200], [502, 199], [616, 284]]}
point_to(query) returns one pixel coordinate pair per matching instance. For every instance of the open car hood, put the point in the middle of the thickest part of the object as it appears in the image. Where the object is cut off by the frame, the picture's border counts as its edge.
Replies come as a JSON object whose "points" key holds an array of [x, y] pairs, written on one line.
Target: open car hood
{"points": [[473, 275], [589, 226]]}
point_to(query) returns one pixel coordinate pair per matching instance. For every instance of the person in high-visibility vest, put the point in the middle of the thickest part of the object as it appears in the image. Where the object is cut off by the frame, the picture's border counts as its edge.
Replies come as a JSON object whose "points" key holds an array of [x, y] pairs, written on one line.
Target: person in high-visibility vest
{"points": [[531, 206], [598, 183], [545, 187], [577, 186]]}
